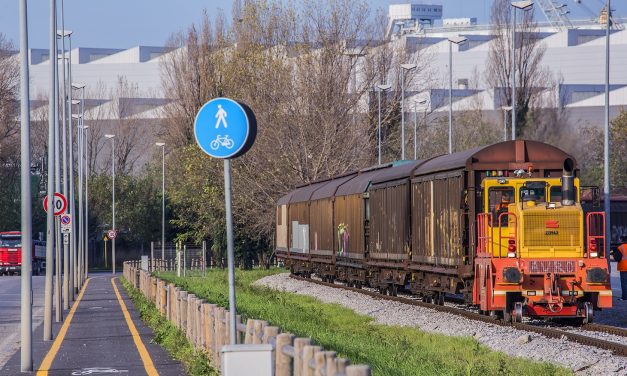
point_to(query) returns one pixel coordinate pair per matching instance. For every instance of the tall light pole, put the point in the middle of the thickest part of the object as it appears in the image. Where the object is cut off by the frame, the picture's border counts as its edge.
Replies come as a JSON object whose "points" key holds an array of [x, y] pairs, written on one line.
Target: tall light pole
{"points": [[606, 141], [26, 309], [162, 145], [404, 67], [71, 199], [525, 6], [458, 41], [78, 275], [86, 217], [381, 88], [420, 102], [505, 109], [79, 264], [50, 235], [61, 34], [112, 138]]}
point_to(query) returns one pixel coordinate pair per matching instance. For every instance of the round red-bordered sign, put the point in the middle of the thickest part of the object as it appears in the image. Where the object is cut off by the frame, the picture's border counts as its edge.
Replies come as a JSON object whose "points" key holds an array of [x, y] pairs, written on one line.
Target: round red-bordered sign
{"points": [[60, 204], [112, 234]]}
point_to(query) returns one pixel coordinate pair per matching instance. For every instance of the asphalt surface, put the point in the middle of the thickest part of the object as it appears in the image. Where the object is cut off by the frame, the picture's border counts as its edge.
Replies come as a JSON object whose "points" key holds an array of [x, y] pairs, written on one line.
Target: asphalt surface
{"points": [[99, 339], [10, 296]]}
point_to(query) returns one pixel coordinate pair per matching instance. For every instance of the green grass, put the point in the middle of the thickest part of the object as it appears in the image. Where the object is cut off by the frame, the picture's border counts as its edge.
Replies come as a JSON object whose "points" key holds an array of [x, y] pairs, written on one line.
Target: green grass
{"points": [[389, 350], [169, 336]]}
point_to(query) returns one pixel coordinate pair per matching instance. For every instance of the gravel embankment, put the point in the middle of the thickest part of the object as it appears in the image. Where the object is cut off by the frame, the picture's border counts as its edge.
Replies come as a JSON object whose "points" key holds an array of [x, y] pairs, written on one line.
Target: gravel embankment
{"points": [[583, 360]]}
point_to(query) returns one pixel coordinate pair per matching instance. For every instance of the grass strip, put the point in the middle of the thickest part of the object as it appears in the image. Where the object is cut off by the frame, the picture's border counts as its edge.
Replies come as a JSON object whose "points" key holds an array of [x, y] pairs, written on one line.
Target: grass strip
{"points": [[389, 350], [169, 336]]}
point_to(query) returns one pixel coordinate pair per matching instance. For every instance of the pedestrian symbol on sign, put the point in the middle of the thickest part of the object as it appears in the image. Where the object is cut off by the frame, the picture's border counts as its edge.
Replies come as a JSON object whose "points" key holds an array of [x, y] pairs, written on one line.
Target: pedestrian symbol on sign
{"points": [[221, 116]]}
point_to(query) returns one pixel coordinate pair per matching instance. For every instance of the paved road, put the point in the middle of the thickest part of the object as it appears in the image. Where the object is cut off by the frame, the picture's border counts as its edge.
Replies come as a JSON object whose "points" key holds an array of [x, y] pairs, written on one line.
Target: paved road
{"points": [[102, 334], [10, 313]]}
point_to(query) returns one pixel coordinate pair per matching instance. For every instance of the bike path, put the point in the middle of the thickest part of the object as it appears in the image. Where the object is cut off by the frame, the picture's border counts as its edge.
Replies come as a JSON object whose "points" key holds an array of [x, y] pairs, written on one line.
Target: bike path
{"points": [[101, 334]]}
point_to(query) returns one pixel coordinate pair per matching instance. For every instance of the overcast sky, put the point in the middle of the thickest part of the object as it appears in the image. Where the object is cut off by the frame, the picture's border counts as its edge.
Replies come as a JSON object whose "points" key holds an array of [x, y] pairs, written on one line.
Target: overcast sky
{"points": [[128, 23]]}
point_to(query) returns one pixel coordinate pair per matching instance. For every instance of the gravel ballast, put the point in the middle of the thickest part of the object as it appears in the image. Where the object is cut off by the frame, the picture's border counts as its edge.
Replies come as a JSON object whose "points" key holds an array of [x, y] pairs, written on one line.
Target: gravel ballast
{"points": [[583, 360]]}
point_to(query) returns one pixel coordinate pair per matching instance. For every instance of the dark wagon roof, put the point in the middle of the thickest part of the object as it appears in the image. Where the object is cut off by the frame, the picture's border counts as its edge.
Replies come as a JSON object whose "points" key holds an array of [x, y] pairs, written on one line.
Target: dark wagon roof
{"points": [[329, 189], [400, 171], [361, 182]]}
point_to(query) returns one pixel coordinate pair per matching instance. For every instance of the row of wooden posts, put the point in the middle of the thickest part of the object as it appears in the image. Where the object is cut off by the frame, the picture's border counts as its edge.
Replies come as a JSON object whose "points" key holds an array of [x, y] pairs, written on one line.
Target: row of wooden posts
{"points": [[207, 327]]}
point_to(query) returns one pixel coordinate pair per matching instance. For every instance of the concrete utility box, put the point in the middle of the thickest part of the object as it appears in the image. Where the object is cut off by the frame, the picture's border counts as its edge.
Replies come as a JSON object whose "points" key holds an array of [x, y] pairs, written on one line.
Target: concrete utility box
{"points": [[246, 360], [145, 263]]}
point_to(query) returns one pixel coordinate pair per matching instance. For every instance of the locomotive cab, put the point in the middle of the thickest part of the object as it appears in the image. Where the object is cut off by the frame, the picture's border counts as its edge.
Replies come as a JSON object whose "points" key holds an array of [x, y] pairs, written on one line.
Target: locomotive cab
{"points": [[544, 257]]}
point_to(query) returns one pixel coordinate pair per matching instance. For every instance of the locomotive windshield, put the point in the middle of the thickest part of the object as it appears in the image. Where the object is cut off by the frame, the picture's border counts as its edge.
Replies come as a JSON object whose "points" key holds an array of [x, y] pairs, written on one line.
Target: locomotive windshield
{"points": [[533, 191], [498, 200]]}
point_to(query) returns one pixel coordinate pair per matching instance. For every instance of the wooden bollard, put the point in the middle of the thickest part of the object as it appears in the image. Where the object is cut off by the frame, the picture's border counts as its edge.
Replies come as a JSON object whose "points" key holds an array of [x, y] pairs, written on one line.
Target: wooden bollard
{"points": [[183, 311], [199, 324], [211, 337], [248, 336], [270, 332], [219, 325], [320, 359], [341, 364], [283, 362], [309, 353], [331, 366], [189, 327], [238, 335], [359, 370], [299, 345], [158, 295], [258, 329]]}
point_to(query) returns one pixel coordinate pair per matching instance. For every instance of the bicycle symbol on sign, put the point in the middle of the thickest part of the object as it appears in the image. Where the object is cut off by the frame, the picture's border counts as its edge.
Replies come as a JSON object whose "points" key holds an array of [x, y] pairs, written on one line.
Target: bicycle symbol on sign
{"points": [[222, 141]]}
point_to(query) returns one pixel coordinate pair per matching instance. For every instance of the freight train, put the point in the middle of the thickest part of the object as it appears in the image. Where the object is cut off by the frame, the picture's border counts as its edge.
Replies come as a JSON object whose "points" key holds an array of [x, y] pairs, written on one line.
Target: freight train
{"points": [[501, 226], [11, 253]]}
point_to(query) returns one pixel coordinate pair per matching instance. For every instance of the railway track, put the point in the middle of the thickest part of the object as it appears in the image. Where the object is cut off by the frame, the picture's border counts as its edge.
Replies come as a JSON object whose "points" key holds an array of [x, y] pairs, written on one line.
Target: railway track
{"points": [[550, 332]]}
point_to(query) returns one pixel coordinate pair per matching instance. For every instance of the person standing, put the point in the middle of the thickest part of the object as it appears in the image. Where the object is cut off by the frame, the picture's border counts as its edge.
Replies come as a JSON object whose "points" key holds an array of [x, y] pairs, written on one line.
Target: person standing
{"points": [[620, 255]]}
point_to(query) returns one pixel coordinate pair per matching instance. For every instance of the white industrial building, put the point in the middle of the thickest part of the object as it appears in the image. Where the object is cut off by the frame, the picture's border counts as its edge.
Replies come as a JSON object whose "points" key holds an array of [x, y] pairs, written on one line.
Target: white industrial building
{"points": [[575, 52]]}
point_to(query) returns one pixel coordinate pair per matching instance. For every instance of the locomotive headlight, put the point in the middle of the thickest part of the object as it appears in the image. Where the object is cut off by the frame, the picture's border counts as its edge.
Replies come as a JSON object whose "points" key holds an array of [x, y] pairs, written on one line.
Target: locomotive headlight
{"points": [[512, 275], [596, 275]]}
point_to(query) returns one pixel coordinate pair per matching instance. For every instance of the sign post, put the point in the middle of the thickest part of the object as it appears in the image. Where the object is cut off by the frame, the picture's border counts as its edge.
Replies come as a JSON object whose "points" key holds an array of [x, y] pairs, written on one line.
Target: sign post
{"points": [[226, 129]]}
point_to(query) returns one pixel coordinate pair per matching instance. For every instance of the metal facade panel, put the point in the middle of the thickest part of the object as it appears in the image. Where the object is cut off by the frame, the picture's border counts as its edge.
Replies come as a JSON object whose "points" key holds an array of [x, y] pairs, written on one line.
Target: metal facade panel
{"points": [[389, 221]]}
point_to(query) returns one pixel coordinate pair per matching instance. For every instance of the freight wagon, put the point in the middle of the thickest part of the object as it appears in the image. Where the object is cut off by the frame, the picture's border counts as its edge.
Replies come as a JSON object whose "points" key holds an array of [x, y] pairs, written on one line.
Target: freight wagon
{"points": [[500, 225]]}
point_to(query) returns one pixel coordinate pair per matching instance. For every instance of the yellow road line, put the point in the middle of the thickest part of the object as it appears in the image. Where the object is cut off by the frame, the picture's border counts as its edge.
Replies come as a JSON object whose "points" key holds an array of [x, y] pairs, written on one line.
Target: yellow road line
{"points": [[52, 353], [148, 365]]}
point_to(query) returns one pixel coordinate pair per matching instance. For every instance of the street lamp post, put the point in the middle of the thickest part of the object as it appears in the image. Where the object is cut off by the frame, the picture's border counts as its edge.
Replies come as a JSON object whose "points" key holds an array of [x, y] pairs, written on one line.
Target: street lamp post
{"points": [[458, 41], [162, 145], [86, 174], [78, 280], [525, 6], [405, 67], [420, 102], [50, 238], [505, 109], [606, 129], [112, 138], [26, 309], [381, 88], [61, 34]]}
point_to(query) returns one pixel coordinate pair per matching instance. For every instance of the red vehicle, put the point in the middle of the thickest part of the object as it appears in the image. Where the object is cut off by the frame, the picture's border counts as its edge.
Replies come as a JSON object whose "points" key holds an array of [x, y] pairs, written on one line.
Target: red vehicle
{"points": [[11, 253]]}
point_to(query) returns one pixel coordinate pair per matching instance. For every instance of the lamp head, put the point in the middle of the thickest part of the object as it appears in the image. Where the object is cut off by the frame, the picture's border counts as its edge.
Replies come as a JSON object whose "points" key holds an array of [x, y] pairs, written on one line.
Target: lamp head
{"points": [[75, 101], [109, 135], [522, 5], [78, 85], [458, 40], [408, 66], [384, 87], [160, 143]]}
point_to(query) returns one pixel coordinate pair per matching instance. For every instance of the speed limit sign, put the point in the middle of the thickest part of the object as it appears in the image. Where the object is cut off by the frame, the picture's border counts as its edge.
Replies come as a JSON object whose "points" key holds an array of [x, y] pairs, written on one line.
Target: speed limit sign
{"points": [[59, 204]]}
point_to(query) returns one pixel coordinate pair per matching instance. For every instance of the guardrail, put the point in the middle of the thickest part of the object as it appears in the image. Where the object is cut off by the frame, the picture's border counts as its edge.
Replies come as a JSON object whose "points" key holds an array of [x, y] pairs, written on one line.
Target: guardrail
{"points": [[207, 327]]}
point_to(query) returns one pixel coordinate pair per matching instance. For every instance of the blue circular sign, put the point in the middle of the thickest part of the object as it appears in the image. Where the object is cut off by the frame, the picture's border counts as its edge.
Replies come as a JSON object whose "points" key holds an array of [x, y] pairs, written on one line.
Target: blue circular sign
{"points": [[225, 128]]}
